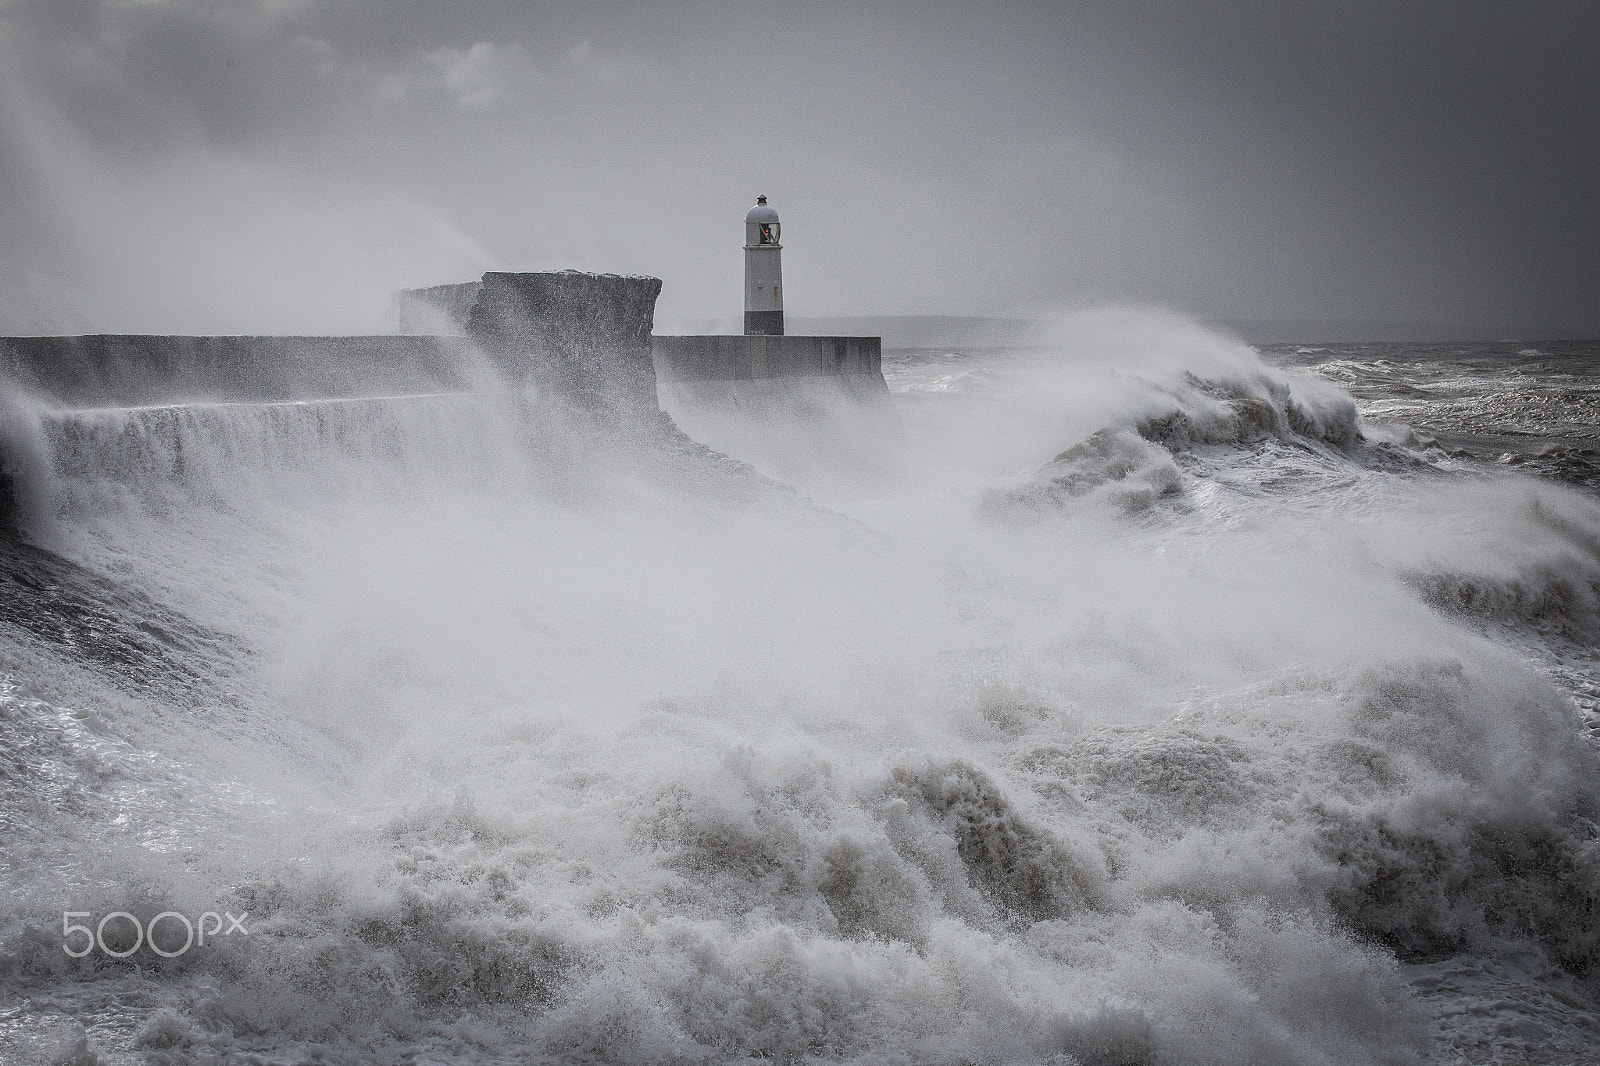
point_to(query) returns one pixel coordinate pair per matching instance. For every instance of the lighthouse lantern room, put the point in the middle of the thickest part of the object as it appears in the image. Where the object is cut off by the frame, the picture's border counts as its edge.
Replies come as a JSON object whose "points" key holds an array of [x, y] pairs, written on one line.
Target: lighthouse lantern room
{"points": [[763, 272]]}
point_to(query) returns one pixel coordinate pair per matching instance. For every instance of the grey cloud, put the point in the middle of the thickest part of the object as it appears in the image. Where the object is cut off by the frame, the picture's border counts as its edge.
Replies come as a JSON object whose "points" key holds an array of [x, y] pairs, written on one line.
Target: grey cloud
{"points": [[1421, 160]]}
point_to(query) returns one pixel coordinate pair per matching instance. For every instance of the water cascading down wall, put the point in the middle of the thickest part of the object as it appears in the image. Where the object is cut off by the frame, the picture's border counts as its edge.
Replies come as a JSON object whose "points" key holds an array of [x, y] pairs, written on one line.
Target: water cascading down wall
{"points": [[584, 338], [112, 410]]}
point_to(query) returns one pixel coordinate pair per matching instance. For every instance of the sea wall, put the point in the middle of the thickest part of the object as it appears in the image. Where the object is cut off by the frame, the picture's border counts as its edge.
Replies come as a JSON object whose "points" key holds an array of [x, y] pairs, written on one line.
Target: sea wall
{"points": [[438, 310], [111, 370], [812, 411], [587, 335], [756, 358], [772, 378]]}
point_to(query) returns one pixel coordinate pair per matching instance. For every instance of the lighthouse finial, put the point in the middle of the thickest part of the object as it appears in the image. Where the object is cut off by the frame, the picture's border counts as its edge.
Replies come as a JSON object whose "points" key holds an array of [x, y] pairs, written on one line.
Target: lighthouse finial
{"points": [[761, 199]]}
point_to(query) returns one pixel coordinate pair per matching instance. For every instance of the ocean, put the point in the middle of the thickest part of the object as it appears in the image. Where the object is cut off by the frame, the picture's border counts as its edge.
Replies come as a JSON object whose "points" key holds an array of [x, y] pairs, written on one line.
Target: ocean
{"points": [[1143, 697]]}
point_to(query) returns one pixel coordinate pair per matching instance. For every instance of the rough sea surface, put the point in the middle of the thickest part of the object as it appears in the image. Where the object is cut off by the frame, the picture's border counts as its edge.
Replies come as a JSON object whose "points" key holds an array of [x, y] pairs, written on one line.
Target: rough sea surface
{"points": [[1146, 698]]}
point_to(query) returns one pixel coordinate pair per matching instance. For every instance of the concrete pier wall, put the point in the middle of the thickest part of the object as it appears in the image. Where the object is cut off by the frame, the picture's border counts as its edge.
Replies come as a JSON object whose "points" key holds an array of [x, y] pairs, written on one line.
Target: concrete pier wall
{"points": [[109, 370], [756, 358], [585, 337], [106, 370], [439, 310], [812, 411], [584, 334]]}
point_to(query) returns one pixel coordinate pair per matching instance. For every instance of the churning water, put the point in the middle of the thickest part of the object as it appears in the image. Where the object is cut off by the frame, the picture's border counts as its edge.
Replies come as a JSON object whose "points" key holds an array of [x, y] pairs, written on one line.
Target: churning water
{"points": [[1155, 700]]}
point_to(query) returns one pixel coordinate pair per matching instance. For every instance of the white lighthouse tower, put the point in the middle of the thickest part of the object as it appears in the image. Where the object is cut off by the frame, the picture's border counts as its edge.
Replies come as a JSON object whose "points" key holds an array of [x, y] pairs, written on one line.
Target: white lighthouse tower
{"points": [[763, 272]]}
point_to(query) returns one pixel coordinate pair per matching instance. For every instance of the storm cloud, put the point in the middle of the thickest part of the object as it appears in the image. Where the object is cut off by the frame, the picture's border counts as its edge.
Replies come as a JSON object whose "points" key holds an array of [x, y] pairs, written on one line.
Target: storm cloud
{"points": [[208, 166]]}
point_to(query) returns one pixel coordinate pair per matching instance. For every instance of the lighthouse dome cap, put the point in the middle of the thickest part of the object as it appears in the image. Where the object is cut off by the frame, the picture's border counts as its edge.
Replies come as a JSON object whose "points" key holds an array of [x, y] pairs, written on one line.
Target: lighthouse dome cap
{"points": [[761, 212]]}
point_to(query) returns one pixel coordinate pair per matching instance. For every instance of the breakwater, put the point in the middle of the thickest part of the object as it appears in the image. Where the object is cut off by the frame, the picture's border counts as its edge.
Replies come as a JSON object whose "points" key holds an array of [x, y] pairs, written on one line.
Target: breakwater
{"points": [[812, 411], [588, 335], [583, 341], [758, 358], [126, 371]]}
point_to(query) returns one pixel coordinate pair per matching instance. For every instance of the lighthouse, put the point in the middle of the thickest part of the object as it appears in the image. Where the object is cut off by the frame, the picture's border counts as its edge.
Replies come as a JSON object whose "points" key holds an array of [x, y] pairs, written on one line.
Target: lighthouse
{"points": [[763, 272]]}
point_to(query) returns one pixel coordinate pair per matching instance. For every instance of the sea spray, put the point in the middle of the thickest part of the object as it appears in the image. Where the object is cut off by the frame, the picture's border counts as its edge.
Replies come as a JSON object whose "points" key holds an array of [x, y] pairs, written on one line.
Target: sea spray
{"points": [[1095, 733]]}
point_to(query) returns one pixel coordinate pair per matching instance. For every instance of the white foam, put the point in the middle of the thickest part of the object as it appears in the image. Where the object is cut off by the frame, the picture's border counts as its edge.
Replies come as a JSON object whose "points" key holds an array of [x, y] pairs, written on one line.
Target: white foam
{"points": [[575, 746]]}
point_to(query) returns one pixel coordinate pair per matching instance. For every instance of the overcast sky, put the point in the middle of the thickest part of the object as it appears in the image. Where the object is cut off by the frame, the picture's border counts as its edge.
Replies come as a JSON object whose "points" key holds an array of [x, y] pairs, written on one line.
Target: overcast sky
{"points": [[245, 165]]}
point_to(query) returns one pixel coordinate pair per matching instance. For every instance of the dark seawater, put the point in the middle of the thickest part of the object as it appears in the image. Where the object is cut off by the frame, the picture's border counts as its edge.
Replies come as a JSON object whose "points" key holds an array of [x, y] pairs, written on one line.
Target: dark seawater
{"points": [[1530, 406], [1136, 697]]}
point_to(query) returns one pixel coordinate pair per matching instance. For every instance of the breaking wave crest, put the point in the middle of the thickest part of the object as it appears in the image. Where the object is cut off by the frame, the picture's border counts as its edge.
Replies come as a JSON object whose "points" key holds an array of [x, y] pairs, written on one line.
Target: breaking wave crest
{"points": [[1210, 740]]}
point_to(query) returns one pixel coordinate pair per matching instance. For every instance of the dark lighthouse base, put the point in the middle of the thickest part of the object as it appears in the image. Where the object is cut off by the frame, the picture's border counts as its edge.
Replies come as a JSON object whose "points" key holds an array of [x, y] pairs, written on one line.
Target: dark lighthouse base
{"points": [[763, 323]]}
